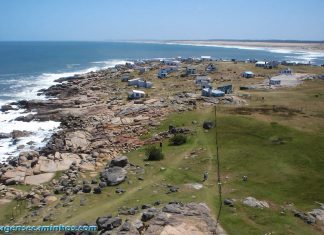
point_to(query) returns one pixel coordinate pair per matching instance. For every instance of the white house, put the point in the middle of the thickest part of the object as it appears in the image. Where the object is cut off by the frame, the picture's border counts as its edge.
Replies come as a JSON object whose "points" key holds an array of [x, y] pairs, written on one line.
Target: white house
{"points": [[191, 71], [136, 94], [247, 74], [209, 92], [205, 58], [261, 64], [287, 71]]}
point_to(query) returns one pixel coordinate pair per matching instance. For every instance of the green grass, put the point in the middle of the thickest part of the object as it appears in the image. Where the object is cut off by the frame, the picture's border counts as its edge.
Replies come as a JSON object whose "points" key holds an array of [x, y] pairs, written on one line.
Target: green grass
{"points": [[290, 172]]}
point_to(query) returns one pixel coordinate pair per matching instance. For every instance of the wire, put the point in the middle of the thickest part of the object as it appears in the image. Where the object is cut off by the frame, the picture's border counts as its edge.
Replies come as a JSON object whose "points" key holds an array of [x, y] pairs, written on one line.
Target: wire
{"points": [[218, 171]]}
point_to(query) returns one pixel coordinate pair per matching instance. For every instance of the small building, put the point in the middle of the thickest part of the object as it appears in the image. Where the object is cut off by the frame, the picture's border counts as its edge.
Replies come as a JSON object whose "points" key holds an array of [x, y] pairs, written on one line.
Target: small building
{"points": [[191, 71], [145, 84], [133, 82], [136, 94], [247, 74], [227, 89], [125, 77], [210, 68], [271, 65], [286, 71], [205, 58], [162, 73], [171, 63], [202, 79], [260, 64], [209, 92], [274, 81]]}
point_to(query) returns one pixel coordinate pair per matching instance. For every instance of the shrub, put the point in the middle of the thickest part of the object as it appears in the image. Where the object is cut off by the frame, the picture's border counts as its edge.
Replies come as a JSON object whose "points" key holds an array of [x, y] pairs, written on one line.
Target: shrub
{"points": [[178, 139], [154, 153]]}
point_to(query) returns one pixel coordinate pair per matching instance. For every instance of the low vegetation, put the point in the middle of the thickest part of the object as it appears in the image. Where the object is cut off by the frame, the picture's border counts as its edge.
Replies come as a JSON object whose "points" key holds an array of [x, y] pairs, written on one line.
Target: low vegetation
{"points": [[154, 153], [178, 139]]}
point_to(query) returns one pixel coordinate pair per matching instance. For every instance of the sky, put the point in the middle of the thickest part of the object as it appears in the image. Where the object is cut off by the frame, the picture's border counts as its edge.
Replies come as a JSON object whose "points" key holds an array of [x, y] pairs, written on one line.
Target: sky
{"points": [[101, 20]]}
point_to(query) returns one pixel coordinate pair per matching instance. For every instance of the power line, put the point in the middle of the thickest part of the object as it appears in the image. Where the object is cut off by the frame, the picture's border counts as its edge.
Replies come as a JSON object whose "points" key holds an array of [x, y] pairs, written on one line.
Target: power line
{"points": [[218, 171]]}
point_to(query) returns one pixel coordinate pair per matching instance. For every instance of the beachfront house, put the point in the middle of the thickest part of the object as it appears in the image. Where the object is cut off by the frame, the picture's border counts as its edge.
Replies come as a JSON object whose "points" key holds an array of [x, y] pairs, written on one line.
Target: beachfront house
{"points": [[191, 71], [274, 81], [205, 58], [260, 64], [210, 68], [136, 94], [209, 92], [227, 89], [247, 74], [271, 64], [286, 71]]}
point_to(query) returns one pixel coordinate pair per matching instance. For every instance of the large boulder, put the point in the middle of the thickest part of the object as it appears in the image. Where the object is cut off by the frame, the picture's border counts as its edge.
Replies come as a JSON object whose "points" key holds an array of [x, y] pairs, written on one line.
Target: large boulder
{"points": [[5, 108], [120, 161], [78, 140], [108, 223], [113, 175], [26, 118], [252, 202]]}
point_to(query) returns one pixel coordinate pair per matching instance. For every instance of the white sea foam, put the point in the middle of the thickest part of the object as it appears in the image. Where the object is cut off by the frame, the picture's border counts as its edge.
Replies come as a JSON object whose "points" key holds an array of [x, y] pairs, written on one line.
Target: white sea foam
{"points": [[27, 89]]}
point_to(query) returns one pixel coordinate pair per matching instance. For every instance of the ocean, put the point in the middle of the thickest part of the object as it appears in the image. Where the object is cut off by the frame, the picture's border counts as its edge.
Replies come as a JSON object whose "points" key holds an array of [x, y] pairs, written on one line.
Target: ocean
{"points": [[26, 67]]}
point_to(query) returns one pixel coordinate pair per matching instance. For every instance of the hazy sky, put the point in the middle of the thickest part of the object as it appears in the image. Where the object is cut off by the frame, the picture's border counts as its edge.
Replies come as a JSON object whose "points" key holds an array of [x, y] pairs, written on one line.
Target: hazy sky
{"points": [[157, 19]]}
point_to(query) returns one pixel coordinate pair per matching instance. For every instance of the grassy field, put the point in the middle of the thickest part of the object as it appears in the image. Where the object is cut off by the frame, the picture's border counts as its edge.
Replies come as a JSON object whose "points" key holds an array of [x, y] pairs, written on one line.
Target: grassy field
{"points": [[289, 172]]}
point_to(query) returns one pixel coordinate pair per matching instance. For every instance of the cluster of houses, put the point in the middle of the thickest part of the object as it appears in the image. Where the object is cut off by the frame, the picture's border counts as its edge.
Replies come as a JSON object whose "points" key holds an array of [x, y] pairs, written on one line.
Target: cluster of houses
{"points": [[207, 90]]}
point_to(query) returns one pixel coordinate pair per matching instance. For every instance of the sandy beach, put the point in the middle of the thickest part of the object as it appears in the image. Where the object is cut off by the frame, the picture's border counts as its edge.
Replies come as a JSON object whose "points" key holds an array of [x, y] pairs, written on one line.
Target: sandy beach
{"points": [[294, 46]]}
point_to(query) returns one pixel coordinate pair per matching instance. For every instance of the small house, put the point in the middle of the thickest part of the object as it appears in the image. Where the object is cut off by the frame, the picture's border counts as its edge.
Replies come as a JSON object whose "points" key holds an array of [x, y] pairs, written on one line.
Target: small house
{"points": [[209, 92], [136, 94], [260, 64], [271, 65], [286, 71], [211, 68], [171, 63], [205, 58], [247, 74], [133, 82], [227, 89], [202, 79], [125, 77], [145, 84], [162, 73], [191, 71], [274, 81]]}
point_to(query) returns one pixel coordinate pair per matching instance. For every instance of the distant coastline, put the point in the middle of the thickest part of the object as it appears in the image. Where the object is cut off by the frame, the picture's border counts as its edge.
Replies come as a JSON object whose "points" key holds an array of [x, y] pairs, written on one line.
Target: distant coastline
{"points": [[275, 45]]}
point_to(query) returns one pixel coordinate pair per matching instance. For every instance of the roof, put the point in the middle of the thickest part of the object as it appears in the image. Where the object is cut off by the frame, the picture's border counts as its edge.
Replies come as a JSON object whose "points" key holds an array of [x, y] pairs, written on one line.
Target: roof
{"points": [[205, 57], [260, 62], [138, 91], [248, 72]]}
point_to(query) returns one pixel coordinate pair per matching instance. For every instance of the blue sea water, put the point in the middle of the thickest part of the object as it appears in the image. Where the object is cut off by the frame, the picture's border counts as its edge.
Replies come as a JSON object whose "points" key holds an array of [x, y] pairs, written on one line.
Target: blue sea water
{"points": [[26, 67]]}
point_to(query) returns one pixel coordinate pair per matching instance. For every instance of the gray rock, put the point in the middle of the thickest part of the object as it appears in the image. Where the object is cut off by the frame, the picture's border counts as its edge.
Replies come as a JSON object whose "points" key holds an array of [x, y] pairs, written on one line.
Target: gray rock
{"points": [[208, 125], [120, 161], [86, 188], [113, 175], [229, 202], [146, 216], [108, 223], [252, 202]]}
